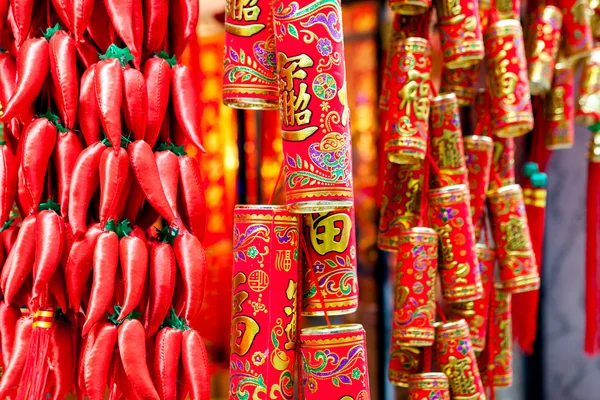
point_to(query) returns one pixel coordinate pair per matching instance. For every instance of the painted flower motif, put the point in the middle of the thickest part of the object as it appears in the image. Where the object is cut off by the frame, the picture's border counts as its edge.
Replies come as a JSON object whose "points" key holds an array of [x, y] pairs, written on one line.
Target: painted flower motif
{"points": [[318, 267], [463, 347], [435, 396], [446, 214], [258, 358], [252, 252], [312, 385], [324, 47], [356, 373]]}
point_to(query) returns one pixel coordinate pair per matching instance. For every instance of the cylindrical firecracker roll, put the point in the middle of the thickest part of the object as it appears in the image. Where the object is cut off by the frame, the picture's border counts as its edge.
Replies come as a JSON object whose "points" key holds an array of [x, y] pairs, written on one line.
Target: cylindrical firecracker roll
{"points": [[401, 205], [410, 96], [430, 386], [503, 162], [485, 9], [454, 354], [249, 76], [462, 40], [476, 312], [518, 268], [404, 362], [414, 311], [588, 104], [265, 301], [543, 43], [577, 27], [447, 143], [450, 216], [478, 155], [500, 348], [402, 28], [461, 82], [509, 86], [410, 7], [329, 275], [508, 9], [559, 109], [334, 363], [315, 113]]}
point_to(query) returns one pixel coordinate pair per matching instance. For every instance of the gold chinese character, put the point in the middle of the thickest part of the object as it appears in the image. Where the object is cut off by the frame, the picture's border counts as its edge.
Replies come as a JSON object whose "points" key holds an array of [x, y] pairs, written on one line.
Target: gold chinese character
{"points": [[290, 68], [242, 10], [291, 293], [447, 145], [460, 375], [330, 232], [295, 106], [415, 95]]}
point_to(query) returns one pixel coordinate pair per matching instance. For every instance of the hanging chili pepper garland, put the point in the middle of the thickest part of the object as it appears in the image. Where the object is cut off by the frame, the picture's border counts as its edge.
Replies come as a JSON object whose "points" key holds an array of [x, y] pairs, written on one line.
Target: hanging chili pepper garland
{"points": [[70, 162]]}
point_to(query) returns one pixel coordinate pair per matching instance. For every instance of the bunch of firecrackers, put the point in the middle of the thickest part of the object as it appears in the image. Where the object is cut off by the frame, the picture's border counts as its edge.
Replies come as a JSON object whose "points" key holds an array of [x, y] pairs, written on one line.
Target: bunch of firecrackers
{"points": [[102, 267], [297, 259]]}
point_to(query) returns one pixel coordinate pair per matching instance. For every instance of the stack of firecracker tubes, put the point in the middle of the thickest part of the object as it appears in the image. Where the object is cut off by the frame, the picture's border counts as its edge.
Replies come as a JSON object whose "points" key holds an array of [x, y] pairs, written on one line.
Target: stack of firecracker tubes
{"points": [[466, 236], [103, 212]]}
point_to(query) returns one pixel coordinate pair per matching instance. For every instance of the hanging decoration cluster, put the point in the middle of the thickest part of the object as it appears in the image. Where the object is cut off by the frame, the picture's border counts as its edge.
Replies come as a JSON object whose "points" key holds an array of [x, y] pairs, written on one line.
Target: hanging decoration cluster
{"points": [[298, 258], [103, 211], [451, 208]]}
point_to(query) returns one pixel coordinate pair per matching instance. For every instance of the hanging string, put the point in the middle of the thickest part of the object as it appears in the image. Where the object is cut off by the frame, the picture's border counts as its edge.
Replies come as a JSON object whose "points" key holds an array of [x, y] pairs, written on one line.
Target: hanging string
{"points": [[276, 184], [314, 277]]}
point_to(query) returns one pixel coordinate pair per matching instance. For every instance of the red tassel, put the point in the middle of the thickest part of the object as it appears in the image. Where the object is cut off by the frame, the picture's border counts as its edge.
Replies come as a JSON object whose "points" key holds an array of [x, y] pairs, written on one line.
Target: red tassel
{"points": [[592, 312], [35, 373]]}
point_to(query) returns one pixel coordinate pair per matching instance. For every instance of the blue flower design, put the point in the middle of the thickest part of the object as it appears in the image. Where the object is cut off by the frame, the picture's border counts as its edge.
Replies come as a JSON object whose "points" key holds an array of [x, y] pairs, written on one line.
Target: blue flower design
{"points": [[324, 47]]}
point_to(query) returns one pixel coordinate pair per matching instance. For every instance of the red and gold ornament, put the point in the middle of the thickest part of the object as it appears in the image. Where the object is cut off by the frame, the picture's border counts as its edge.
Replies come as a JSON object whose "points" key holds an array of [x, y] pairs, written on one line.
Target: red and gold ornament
{"points": [[462, 82], [249, 77], [409, 102], [450, 216], [265, 301], [507, 9], [503, 162], [414, 313], [478, 156], [329, 274], [507, 77], [499, 353], [404, 362], [410, 7], [588, 104], [334, 363], [431, 385], [315, 112], [577, 31], [518, 268], [559, 109]]}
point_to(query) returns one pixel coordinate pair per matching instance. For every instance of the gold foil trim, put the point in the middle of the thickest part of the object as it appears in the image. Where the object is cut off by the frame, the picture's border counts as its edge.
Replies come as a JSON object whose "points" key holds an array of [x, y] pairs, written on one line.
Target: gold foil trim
{"points": [[343, 328]]}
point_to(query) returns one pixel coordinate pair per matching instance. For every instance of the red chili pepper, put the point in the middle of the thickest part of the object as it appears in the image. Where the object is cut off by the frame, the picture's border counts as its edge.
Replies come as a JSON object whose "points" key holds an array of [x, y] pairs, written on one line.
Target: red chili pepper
{"points": [[67, 149], [168, 170], [125, 385], [20, 260], [135, 102], [158, 82], [185, 104], [168, 349], [161, 284], [121, 15], [3, 13], [155, 17], [114, 391], [96, 364], [63, 67], [61, 359], [83, 345], [183, 18], [64, 9], [146, 172], [108, 84], [83, 185], [183, 389], [138, 32], [151, 355], [114, 166], [22, 12], [134, 202], [23, 202], [82, 12], [195, 365], [8, 77], [125, 194], [133, 258], [8, 182], [12, 375], [132, 348], [32, 69], [9, 316], [191, 260], [49, 240], [38, 144], [89, 120], [79, 264], [87, 54], [99, 26], [106, 259], [192, 201], [9, 237], [56, 286]]}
